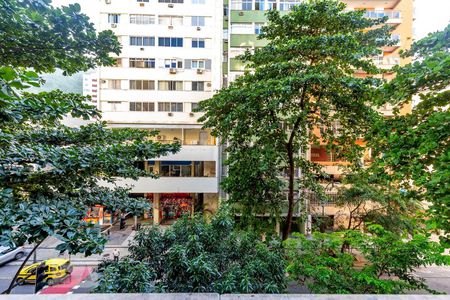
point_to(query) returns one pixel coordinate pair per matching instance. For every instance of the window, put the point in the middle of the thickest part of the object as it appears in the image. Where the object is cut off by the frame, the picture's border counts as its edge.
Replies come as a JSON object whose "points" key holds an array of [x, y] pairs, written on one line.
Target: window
{"points": [[288, 4], [142, 0], [258, 28], [117, 62], [198, 1], [114, 105], [259, 4], [197, 21], [198, 64], [246, 4], [148, 63], [142, 19], [272, 4], [142, 106], [198, 86], [170, 85], [142, 85], [173, 64], [113, 18], [170, 106], [114, 84], [198, 43], [194, 107], [171, 1], [170, 42], [170, 20], [142, 41]]}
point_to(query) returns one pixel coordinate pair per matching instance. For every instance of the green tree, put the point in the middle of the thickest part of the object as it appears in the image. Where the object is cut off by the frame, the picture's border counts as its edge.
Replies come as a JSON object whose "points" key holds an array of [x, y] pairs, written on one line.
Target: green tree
{"points": [[300, 83], [196, 256], [386, 261], [413, 149], [50, 174], [124, 276]]}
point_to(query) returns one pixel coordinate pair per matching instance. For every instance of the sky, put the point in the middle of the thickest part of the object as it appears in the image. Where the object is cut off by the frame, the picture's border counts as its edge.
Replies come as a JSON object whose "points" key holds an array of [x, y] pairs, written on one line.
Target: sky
{"points": [[430, 15]]}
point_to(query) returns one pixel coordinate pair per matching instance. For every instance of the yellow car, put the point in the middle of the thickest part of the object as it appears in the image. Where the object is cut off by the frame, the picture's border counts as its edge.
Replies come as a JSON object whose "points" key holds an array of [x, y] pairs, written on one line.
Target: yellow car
{"points": [[57, 269]]}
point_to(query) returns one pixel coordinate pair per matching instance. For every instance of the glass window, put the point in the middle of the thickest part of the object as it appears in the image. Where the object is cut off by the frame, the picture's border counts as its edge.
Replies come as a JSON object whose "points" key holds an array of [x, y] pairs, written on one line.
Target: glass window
{"points": [[198, 64], [142, 19], [113, 18], [272, 4], [246, 4], [170, 42], [170, 85], [170, 106], [173, 64], [114, 84], [142, 85], [259, 4], [171, 1], [198, 1], [198, 43], [148, 63], [197, 21], [258, 28], [142, 41], [198, 86], [142, 106], [142, 0]]}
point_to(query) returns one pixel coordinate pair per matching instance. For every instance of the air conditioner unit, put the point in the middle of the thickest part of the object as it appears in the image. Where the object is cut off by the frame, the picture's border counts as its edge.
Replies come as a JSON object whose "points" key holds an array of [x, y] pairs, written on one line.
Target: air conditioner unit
{"points": [[200, 71], [170, 5], [113, 25], [161, 137], [170, 26], [199, 28], [142, 49], [170, 114], [103, 81], [108, 1], [173, 71], [191, 114], [141, 4], [208, 84], [241, 13]]}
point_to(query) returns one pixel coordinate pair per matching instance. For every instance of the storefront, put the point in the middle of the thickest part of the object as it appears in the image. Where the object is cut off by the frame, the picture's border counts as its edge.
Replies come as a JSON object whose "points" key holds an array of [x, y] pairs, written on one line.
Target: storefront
{"points": [[99, 216], [174, 206]]}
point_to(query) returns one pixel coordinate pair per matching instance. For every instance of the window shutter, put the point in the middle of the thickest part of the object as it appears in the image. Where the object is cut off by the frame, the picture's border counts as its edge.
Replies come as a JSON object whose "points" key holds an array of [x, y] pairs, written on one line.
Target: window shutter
{"points": [[208, 64], [187, 63]]}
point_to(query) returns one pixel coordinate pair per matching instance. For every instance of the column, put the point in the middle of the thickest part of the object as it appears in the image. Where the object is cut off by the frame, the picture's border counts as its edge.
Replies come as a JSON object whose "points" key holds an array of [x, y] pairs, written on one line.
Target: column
{"points": [[156, 209]]}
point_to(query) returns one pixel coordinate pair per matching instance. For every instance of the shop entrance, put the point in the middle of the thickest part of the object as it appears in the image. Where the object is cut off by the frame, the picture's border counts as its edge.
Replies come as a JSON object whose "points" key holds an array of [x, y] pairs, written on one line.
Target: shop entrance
{"points": [[174, 206]]}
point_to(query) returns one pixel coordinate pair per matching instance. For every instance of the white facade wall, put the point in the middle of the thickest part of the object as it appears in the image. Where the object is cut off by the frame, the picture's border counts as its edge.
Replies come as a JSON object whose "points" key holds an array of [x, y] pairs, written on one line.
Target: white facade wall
{"points": [[168, 20]]}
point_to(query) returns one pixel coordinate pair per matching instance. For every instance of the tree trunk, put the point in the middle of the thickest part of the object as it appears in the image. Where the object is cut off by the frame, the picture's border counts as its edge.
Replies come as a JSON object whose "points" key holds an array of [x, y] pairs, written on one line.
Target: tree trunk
{"points": [[288, 224], [13, 281]]}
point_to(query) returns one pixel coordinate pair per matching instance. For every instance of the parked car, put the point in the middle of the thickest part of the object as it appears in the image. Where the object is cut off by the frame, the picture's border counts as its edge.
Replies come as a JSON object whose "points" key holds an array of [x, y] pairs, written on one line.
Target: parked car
{"points": [[8, 254], [57, 269]]}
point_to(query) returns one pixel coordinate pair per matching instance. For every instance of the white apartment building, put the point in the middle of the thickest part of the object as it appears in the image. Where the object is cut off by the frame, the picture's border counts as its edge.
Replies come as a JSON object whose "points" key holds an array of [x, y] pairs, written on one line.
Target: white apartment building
{"points": [[169, 62]]}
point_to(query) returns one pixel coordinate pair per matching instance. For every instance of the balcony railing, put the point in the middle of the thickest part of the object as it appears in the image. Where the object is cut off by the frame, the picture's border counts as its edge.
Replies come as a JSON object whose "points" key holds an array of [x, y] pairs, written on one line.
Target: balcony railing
{"points": [[283, 5], [373, 14]]}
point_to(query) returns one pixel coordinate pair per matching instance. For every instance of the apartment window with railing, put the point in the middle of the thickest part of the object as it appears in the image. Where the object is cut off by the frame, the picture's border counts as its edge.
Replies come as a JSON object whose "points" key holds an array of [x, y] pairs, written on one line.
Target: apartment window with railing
{"points": [[142, 19], [170, 106], [173, 63], [171, 1], [198, 21], [142, 0], [271, 4], [142, 106], [142, 84], [171, 85], [146, 63], [170, 20], [198, 86], [142, 41], [376, 14], [198, 43], [113, 18], [170, 42], [198, 2], [246, 5]]}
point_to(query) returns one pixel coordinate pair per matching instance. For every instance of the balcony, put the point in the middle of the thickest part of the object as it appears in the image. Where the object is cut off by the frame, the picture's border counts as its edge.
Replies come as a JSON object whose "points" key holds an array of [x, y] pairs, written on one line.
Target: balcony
{"points": [[394, 16], [396, 43], [170, 185], [246, 41]]}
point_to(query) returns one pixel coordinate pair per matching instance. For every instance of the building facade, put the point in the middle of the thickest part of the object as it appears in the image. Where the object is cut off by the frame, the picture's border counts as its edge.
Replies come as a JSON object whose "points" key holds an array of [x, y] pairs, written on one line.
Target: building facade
{"points": [[170, 60], [176, 53]]}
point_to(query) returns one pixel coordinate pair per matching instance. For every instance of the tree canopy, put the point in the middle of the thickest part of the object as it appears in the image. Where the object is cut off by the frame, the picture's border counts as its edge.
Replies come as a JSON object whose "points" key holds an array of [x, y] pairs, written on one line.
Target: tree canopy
{"points": [[299, 90], [413, 149], [50, 173]]}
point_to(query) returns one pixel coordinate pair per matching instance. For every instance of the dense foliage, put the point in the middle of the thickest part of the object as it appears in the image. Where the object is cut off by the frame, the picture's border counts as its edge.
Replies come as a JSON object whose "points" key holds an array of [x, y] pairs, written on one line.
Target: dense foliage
{"points": [[51, 174], [196, 256], [385, 265], [300, 91], [414, 148]]}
